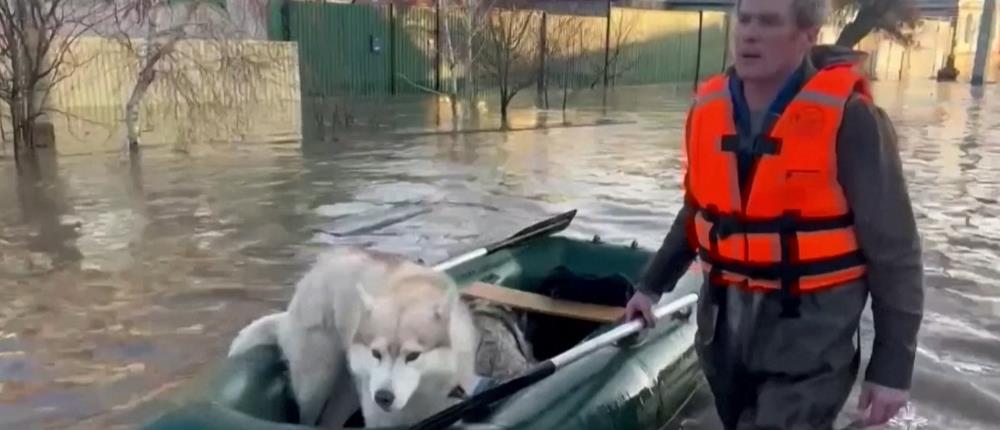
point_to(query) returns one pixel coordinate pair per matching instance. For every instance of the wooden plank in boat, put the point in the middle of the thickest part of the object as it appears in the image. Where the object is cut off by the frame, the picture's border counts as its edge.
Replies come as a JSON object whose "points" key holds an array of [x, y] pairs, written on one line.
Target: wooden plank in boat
{"points": [[543, 304]]}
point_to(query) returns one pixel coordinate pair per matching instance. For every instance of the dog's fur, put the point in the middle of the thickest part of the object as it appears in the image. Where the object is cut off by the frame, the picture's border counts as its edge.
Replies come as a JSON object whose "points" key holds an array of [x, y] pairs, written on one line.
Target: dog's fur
{"points": [[360, 322]]}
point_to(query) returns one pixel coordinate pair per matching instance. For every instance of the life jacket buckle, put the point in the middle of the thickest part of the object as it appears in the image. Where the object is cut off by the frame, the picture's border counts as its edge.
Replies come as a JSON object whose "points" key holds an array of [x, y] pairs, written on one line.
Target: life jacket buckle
{"points": [[763, 144], [726, 226]]}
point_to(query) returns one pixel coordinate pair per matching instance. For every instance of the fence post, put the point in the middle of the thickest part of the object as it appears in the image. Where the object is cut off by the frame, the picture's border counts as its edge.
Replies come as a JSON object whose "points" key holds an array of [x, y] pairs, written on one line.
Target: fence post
{"points": [[607, 46], [697, 60], [542, 53], [981, 61], [437, 45], [286, 25], [392, 48]]}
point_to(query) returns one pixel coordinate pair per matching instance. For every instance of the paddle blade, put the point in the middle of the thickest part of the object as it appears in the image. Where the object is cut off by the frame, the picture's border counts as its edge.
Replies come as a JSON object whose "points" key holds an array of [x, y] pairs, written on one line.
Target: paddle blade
{"points": [[543, 228]]}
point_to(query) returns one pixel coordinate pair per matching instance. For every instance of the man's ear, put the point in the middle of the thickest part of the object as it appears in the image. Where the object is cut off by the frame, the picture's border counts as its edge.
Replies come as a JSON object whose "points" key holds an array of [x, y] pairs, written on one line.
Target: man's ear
{"points": [[812, 34]]}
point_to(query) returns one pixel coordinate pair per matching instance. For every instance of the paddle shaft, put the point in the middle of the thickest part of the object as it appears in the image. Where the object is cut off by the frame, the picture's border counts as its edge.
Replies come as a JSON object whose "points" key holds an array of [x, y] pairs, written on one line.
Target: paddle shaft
{"points": [[461, 259], [622, 331], [542, 228], [544, 369]]}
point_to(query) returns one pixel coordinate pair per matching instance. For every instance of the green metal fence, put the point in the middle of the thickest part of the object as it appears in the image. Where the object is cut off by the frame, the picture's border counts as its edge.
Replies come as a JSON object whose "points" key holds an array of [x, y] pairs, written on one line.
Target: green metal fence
{"points": [[341, 49], [414, 49], [380, 50]]}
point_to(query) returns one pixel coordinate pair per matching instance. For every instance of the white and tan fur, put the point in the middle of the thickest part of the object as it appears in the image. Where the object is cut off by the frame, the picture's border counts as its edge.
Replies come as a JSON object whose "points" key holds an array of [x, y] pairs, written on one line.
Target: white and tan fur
{"points": [[353, 301]]}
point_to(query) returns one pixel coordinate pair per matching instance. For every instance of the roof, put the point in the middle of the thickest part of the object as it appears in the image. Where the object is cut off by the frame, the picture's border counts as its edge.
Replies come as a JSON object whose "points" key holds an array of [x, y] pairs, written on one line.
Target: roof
{"points": [[935, 8]]}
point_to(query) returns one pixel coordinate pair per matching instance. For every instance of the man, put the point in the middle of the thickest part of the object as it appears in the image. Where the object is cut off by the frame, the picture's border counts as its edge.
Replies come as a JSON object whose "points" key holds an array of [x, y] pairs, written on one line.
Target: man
{"points": [[796, 204]]}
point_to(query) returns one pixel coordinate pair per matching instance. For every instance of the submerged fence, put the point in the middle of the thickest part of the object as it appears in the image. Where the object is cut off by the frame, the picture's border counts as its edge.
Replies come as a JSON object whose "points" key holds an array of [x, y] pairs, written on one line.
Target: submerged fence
{"points": [[385, 49], [208, 90]]}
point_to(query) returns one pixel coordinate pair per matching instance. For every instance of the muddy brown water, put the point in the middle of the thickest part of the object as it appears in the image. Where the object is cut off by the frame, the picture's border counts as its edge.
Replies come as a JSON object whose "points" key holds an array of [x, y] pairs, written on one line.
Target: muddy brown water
{"points": [[118, 285]]}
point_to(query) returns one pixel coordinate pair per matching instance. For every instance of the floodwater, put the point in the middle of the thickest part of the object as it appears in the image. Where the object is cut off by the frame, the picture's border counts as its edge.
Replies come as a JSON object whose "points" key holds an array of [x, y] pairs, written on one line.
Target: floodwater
{"points": [[118, 284]]}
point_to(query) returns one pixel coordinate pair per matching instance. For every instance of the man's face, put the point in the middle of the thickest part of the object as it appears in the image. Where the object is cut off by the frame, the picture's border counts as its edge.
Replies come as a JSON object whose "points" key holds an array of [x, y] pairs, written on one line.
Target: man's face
{"points": [[767, 42]]}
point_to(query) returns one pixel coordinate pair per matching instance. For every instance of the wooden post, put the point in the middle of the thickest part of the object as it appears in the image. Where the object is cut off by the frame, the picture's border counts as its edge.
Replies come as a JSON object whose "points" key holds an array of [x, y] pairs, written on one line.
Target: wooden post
{"points": [[697, 60]]}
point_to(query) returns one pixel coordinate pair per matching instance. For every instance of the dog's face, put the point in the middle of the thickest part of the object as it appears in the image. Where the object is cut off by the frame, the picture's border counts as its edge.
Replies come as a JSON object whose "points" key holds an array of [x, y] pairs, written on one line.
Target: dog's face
{"points": [[401, 344]]}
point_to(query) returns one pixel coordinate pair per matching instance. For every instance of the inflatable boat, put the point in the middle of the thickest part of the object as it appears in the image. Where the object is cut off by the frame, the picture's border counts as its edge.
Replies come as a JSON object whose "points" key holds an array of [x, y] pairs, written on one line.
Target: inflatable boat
{"points": [[572, 292]]}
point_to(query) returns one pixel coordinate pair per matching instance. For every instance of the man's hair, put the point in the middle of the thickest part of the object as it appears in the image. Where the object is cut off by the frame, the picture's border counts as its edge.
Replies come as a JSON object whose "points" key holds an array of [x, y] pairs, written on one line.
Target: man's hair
{"points": [[810, 13], [807, 13]]}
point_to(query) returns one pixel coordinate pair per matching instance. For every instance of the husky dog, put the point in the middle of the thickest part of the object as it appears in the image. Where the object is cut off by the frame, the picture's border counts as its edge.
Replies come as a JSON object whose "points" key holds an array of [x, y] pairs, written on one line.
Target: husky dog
{"points": [[371, 329]]}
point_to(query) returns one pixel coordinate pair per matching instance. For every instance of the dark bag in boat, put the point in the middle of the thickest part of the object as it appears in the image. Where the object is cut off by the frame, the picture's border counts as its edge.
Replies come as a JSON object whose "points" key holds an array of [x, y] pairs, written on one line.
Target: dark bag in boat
{"points": [[550, 335]]}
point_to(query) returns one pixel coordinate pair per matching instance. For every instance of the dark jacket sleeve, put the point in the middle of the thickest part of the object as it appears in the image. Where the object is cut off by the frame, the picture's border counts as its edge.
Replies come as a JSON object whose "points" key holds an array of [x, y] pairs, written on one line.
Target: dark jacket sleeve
{"points": [[871, 174], [672, 259], [675, 255]]}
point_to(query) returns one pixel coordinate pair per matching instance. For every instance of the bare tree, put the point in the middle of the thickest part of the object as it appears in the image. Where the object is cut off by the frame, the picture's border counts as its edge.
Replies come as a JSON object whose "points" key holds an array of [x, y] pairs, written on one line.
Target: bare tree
{"points": [[451, 59], [511, 50], [36, 40], [563, 50], [573, 65], [895, 17], [569, 49], [217, 72], [460, 50], [618, 63]]}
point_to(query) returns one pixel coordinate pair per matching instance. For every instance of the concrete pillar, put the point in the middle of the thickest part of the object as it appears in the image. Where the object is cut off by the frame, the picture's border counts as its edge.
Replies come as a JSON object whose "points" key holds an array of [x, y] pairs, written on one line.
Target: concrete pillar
{"points": [[984, 44]]}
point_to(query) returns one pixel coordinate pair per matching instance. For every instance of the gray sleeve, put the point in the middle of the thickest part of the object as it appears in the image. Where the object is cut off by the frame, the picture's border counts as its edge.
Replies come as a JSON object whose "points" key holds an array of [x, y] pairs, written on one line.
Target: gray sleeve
{"points": [[871, 174], [673, 258]]}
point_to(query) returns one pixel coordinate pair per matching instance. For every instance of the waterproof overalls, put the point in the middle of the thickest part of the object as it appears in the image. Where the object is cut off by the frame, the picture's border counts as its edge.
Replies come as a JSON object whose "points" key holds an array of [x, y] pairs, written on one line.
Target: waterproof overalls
{"points": [[774, 235]]}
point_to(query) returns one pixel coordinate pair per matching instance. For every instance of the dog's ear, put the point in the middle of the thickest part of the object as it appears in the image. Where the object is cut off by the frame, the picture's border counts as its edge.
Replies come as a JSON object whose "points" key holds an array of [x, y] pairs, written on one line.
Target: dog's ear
{"points": [[447, 303], [367, 302]]}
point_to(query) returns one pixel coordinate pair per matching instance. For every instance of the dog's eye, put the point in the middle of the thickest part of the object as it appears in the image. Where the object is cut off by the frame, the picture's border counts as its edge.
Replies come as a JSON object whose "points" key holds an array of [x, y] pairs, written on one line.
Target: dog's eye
{"points": [[377, 355], [412, 356]]}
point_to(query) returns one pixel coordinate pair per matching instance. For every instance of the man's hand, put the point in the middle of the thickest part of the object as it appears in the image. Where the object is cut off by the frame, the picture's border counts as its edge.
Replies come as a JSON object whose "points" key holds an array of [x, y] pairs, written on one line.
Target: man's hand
{"points": [[879, 404], [640, 306]]}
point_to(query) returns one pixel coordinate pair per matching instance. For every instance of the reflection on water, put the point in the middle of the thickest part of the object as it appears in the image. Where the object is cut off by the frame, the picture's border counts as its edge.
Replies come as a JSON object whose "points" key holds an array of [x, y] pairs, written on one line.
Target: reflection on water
{"points": [[119, 284]]}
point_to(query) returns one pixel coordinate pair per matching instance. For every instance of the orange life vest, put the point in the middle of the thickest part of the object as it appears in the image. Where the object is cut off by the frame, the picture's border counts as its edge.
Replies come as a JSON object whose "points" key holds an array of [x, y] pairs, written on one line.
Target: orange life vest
{"points": [[790, 229]]}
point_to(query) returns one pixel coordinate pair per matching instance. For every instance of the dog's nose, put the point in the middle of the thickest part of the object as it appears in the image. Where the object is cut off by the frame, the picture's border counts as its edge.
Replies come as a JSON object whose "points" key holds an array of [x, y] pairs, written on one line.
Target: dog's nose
{"points": [[384, 398]]}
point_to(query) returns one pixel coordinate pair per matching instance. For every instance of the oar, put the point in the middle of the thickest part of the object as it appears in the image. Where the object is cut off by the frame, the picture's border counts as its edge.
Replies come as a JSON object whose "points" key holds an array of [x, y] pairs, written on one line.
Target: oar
{"points": [[542, 228], [542, 370]]}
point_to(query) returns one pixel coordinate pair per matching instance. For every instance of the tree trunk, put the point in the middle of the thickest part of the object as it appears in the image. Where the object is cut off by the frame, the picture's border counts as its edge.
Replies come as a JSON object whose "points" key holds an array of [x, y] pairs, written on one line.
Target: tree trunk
{"points": [[25, 159], [18, 107], [145, 80], [39, 133], [3, 138], [852, 34], [131, 143], [468, 92], [454, 111], [565, 91], [18, 77], [866, 21], [504, 103], [20, 123], [452, 91]]}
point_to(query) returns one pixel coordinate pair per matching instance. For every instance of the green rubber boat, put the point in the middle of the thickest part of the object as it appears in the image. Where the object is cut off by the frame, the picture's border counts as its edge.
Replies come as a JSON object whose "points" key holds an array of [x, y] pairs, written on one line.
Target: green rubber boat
{"points": [[639, 386]]}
